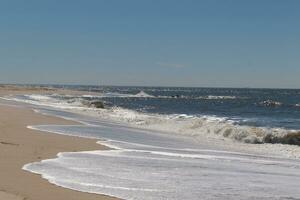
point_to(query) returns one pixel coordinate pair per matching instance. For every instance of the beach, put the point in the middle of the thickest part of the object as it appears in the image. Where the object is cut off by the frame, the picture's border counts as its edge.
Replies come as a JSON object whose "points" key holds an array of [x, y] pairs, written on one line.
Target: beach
{"points": [[53, 144], [20, 145], [149, 100]]}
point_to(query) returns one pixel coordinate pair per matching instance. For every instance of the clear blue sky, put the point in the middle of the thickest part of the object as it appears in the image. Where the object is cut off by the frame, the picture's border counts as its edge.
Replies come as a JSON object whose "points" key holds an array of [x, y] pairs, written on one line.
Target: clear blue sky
{"points": [[253, 43]]}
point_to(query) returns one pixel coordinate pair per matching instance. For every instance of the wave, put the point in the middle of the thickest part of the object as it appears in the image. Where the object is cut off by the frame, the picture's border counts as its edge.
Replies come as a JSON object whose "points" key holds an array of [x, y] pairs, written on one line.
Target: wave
{"points": [[143, 94], [210, 126], [170, 174], [212, 97], [208, 97], [38, 97], [195, 126], [274, 104], [270, 103], [56, 101]]}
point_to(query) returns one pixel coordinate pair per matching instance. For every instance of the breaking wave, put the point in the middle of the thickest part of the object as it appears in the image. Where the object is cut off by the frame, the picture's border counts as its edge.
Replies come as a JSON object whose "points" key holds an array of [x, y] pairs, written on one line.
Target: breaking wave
{"points": [[217, 97], [199, 126], [143, 94], [193, 125], [270, 103]]}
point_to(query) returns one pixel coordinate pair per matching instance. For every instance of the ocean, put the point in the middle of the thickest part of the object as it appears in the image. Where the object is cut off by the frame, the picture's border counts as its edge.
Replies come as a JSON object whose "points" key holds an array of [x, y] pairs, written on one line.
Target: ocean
{"points": [[176, 143], [247, 115]]}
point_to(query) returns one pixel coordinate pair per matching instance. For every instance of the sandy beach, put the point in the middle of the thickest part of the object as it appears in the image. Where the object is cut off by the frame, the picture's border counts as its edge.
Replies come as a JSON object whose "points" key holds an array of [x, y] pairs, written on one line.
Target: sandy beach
{"points": [[147, 163], [150, 100], [20, 145]]}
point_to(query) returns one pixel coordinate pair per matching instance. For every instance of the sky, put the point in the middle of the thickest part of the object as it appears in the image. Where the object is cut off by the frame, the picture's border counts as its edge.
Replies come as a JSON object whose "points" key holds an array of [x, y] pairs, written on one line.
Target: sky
{"points": [[212, 43]]}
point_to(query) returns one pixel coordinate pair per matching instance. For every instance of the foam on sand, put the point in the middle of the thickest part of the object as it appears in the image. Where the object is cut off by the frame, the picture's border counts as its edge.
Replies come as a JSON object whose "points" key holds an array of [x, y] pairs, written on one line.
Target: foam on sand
{"points": [[148, 165], [196, 126]]}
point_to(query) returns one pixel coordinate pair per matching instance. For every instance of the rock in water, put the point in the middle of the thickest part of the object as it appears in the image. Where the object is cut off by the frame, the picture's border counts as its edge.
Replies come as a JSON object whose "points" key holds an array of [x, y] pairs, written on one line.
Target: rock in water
{"points": [[289, 138], [97, 104]]}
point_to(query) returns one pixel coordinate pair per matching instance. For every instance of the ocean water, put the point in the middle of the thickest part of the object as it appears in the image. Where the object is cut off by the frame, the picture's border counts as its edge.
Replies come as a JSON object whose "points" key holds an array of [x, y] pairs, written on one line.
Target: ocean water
{"points": [[147, 165], [246, 115], [177, 143]]}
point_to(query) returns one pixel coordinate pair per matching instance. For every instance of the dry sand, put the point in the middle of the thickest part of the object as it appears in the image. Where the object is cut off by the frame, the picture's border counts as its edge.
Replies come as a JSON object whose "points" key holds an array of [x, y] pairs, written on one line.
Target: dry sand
{"points": [[20, 145]]}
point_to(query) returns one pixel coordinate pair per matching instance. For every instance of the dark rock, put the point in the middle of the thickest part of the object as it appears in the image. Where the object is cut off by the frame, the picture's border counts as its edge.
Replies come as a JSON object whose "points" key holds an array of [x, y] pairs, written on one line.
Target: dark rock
{"points": [[175, 96], [290, 138], [97, 104]]}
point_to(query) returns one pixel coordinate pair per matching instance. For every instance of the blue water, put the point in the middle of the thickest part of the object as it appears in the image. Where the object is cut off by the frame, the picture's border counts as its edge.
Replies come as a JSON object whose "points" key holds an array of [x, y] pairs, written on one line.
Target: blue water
{"points": [[245, 106], [182, 163], [149, 165], [247, 115]]}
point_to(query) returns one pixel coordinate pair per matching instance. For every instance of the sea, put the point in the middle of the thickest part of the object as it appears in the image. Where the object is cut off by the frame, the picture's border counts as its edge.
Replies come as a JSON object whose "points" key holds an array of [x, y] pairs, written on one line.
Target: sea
{"points": [[176, 142]]}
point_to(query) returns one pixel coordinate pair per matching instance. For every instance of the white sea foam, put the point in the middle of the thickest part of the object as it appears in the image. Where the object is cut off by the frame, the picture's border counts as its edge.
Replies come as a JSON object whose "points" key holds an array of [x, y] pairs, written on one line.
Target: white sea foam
{"points": [[270, 103], [141, 94], [159, 170], [38, 97], [195, 126], [217, 97], [146, 165]]}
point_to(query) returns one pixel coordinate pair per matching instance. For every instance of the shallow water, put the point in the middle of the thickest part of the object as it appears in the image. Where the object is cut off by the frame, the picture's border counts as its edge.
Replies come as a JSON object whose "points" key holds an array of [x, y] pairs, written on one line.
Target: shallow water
{"points": [[246, 115], [152, 165]]}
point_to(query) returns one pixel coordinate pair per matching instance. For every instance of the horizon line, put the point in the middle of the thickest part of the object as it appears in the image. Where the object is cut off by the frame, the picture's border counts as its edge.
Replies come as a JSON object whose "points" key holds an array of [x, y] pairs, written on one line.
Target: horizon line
{"points": [[146, 86]]}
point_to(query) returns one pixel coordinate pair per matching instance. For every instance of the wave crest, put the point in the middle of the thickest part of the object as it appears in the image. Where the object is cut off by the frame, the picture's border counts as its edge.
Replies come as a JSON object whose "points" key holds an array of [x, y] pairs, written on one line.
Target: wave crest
{"points": [[207, 126], [270, 103], [212, 97], [195, 126]]}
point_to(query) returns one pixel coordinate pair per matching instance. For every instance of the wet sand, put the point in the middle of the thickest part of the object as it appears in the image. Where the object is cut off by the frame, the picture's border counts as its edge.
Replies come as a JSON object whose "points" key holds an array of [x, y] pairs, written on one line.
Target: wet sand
{"points": [[20, 145]]}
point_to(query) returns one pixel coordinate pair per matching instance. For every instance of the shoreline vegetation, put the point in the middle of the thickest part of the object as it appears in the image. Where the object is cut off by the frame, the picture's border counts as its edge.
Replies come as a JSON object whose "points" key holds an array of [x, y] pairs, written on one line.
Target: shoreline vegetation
{"points": [[20, 145]]}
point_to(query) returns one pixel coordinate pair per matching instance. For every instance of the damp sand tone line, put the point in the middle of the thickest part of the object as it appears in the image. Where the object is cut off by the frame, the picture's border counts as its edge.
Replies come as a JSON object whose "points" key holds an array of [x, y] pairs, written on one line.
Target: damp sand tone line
{"points": [[20, 145], [8, 143]]}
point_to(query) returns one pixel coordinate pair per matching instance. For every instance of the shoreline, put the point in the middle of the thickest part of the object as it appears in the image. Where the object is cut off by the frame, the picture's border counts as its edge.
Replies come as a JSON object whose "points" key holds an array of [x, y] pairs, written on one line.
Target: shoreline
{"points": [[18, 118], [20, 145]]}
